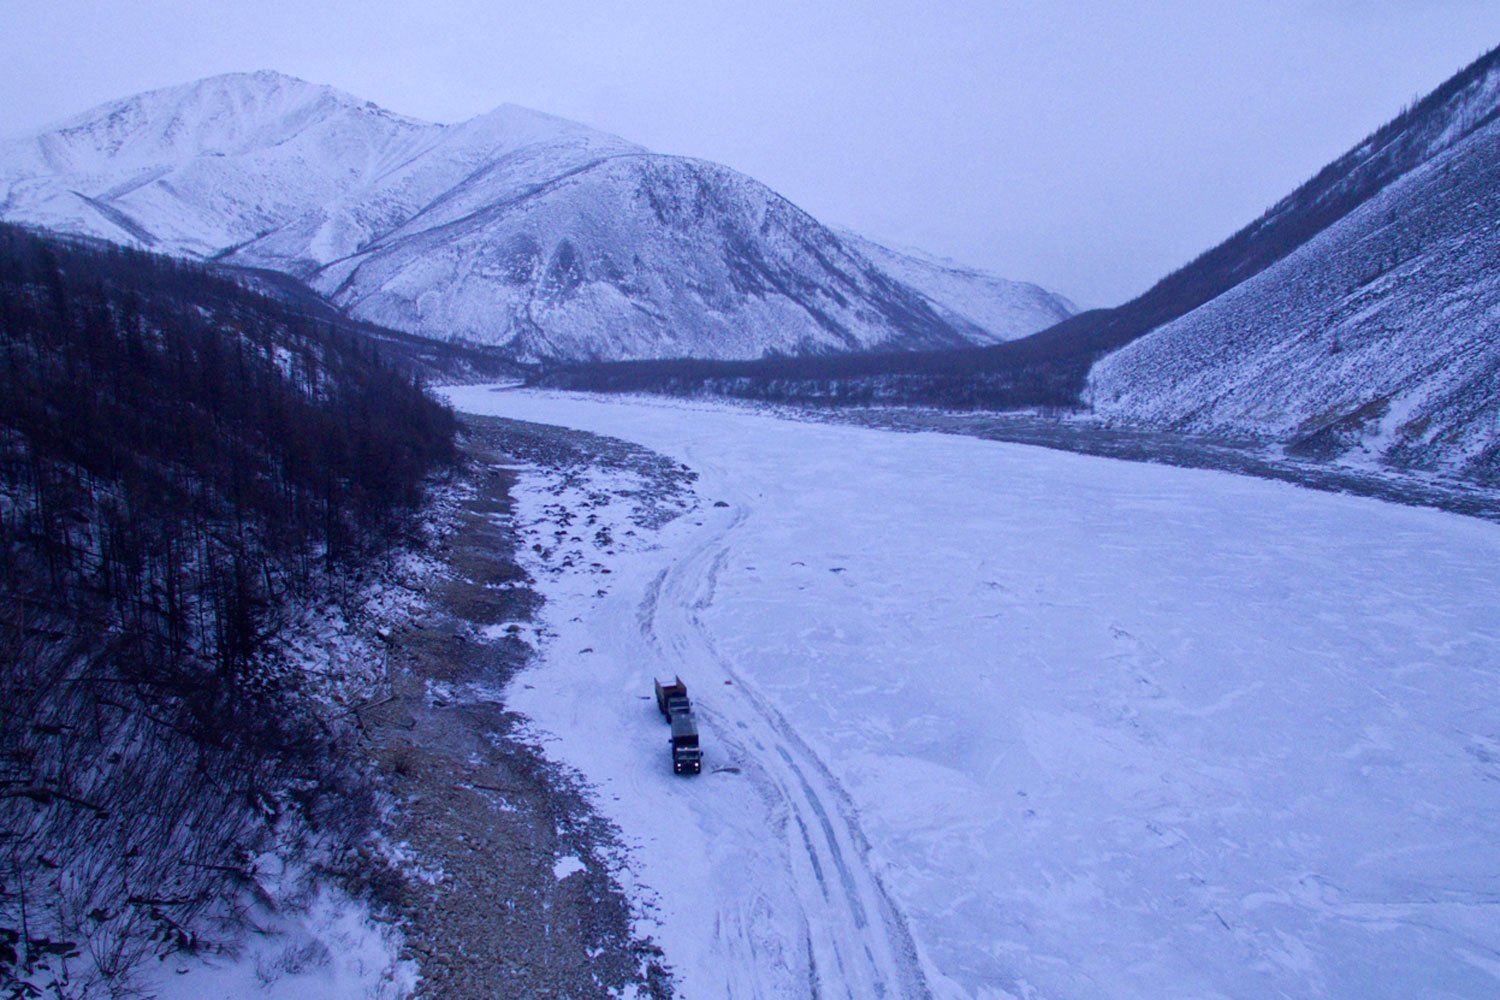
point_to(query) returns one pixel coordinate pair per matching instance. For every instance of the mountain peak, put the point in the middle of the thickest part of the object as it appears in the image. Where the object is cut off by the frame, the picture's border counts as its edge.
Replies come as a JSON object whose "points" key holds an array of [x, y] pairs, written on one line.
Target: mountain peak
{"points": [[214, 116], [264, 89], [266, 79], [515, 227], [510, 126]]}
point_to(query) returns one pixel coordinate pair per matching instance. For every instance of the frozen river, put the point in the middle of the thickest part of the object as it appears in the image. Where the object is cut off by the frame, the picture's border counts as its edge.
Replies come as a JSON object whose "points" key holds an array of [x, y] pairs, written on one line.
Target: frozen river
{"points": [[987, 720]]}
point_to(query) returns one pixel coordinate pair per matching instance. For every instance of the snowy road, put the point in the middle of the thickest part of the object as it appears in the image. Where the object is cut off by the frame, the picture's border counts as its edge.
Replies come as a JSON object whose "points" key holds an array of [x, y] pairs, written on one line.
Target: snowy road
{"points": [[984, 720]]}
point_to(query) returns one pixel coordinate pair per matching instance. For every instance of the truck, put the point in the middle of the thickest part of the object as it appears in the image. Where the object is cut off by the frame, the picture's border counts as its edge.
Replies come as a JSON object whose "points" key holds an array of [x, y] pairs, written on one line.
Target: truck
{"points": [[672, 700], [687, 758]]}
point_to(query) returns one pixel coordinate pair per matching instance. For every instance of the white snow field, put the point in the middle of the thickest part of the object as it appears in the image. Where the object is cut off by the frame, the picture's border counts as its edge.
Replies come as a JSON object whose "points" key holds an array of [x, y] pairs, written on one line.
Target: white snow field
{"points": [[984, 720]]}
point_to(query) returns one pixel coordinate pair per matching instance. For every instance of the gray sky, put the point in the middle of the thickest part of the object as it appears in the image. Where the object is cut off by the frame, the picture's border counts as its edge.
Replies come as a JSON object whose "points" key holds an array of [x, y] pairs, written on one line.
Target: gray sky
{"points": [[1090, 146]]}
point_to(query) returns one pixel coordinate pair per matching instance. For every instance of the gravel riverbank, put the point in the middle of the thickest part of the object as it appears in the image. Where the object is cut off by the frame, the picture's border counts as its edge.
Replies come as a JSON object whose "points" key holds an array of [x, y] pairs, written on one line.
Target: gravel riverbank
{"points": [[505, 879]]}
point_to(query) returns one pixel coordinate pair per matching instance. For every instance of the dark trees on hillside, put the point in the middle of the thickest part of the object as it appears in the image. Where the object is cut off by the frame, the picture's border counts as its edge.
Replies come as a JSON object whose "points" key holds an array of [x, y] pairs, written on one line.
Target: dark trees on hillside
{"points": [[179, 457], [960, 380]]}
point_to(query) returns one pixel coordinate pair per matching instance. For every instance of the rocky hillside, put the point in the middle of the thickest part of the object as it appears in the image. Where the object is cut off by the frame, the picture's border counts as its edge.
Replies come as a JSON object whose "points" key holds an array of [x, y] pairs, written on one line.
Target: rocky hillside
{"points": [[1376, 340], [1003, 309]]}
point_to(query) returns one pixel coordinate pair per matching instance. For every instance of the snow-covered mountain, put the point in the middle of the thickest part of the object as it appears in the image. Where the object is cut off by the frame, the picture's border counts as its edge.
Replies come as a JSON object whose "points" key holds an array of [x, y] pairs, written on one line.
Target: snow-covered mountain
{"points": [[1004, 309], [1376, 339], [514, 228]]}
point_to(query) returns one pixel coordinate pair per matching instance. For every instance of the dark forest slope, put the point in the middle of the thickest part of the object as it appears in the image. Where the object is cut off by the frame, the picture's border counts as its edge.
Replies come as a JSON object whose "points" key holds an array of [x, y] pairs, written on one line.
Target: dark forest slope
{"points": [[180, 461]]}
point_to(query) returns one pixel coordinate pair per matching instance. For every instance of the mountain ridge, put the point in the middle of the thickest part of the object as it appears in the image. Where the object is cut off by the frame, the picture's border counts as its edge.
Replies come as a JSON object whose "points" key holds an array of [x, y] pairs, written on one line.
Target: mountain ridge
{"points": [[1376, 341], [370, 208], [1123, 362]]}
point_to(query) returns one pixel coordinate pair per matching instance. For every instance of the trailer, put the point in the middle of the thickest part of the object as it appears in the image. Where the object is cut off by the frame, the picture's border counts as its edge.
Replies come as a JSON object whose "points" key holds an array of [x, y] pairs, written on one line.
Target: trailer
{"points": [[687, 757], [672, 698]]}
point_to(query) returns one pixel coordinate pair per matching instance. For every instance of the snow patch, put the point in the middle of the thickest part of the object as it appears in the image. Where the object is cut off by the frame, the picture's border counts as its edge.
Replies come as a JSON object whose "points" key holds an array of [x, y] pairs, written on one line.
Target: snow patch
{"points": [[568, 865], [325, 946]]}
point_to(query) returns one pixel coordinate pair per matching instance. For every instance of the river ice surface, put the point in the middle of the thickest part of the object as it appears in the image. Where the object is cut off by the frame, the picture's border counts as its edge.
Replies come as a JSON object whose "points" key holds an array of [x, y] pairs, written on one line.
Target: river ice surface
{"points": [[987, 720]]}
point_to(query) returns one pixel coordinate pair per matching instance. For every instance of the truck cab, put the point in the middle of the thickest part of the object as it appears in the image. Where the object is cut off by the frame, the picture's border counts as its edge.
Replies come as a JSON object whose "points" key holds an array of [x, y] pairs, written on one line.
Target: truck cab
{"points": [[687, 758]]}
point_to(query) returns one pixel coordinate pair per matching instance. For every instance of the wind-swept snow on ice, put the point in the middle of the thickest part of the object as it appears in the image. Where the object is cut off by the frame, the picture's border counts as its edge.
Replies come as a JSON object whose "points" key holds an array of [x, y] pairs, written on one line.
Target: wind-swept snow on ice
{"points": [[983, 720]]}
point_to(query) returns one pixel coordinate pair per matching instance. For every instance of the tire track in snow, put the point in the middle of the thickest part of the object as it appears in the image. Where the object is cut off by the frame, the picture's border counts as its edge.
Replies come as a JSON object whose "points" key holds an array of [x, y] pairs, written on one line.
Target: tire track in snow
{"points": [[856, 942]]}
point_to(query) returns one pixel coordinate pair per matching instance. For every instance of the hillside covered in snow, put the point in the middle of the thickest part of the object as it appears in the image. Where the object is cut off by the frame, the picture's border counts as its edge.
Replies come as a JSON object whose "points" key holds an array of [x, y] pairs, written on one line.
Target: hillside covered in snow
{"points": [[1354, 320], [1003, 308], [1377, 340], [514, 228]]}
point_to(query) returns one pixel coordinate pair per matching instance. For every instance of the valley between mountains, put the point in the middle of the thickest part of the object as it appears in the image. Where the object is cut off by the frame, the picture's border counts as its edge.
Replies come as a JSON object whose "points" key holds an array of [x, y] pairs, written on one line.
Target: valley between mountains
{"points": [[328, 671]]}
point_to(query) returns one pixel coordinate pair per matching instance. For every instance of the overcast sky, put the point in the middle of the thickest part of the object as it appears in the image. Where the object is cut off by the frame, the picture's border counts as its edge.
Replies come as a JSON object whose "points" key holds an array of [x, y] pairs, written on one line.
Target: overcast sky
{"points": [[1090, 146]]}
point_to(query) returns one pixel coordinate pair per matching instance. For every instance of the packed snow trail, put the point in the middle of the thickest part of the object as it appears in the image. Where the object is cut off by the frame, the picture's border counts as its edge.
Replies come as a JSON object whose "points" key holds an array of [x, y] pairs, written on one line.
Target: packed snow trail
{"points": [[857, 943], [1005, 722]]}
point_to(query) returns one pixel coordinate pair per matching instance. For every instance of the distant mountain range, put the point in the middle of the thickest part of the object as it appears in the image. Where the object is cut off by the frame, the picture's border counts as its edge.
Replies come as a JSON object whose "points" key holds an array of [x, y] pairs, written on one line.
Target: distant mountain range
{"points": [[967, 296], [1358, 319], [515, 228]]}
